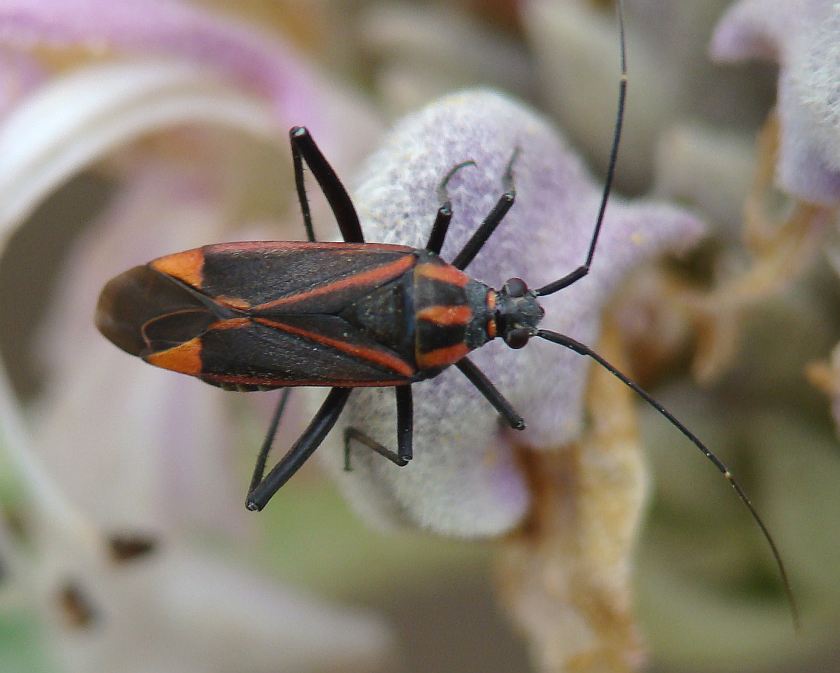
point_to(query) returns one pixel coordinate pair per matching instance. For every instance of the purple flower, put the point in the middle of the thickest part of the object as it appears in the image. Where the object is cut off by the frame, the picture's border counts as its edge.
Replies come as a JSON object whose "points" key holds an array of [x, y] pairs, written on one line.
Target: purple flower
{"points": [[186, 113], [464, 479], [802, 38]]}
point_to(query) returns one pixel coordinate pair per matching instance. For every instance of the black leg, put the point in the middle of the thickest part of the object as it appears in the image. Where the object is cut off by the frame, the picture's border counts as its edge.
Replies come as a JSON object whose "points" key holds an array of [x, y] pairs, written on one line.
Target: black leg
{"points": [[480, 381], [405, 422], [319, 427], [582, 270], [297, 163], [259, 467], [444, 214], [303, 147], [405, 433], [488, 226]]}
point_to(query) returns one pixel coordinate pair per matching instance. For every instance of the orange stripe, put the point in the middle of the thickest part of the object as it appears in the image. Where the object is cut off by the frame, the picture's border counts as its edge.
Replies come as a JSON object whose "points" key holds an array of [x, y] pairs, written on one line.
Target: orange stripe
{"points": [[440, 357], [392, 362], [185, 358], [233, 302], [185, 266], [491, 308], [233, 323], [446, 315], [380, 274], [443, 272]]}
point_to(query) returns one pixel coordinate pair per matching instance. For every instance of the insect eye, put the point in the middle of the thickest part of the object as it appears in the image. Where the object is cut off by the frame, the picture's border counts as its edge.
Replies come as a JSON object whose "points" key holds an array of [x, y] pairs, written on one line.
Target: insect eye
{"points": [[516, 287], [518, 338]]}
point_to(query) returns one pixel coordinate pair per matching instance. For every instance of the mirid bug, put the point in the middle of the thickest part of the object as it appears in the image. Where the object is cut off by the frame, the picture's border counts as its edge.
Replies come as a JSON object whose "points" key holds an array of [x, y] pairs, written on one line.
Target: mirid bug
{"points": [[267, 315]]}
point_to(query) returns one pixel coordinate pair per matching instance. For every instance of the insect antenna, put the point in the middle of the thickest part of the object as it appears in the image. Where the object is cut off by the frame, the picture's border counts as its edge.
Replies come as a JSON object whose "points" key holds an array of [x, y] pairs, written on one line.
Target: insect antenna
{"points": [[581, 271], [582, 349]]}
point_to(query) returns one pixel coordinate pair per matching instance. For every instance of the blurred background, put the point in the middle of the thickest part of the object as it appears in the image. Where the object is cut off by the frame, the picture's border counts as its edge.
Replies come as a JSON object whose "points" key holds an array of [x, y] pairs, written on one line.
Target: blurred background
{"points": [[736, 338]]}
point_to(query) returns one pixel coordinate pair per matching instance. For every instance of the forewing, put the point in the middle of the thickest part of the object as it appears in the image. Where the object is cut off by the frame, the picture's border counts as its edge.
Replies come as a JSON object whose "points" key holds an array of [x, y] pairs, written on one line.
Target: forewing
{"points": [[304, 350], [274, 278]]}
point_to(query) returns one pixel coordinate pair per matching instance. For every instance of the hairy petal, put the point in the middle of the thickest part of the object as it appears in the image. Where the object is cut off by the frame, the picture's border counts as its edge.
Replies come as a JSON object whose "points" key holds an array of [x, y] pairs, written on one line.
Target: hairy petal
{"points": [[802, 38], [464, 479]]}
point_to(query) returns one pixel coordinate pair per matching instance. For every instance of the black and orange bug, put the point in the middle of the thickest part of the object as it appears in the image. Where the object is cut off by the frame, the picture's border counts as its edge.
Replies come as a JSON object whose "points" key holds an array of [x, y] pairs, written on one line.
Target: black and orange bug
{"points": [[267, 315]]}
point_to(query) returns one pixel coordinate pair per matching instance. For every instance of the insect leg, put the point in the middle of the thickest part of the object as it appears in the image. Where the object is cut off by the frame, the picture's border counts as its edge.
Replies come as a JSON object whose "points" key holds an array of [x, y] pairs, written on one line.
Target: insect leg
{"points": [[354, 433], [259, 467], [405, 422], [582, 270], [304, 147], [480, 381], [488, 226], [316, 431], [444, 214], [405, 433]]}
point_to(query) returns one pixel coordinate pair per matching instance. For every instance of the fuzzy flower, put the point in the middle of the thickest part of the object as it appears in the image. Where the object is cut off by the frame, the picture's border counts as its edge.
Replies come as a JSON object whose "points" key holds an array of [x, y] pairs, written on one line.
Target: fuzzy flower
{"points": [[175, 118], [464, 479], [802, 38]]}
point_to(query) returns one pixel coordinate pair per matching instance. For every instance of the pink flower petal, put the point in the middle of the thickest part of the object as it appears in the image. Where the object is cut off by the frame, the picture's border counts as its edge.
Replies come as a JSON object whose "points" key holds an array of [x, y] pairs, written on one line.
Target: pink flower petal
{"points": [[162, 27], [179, 29]]}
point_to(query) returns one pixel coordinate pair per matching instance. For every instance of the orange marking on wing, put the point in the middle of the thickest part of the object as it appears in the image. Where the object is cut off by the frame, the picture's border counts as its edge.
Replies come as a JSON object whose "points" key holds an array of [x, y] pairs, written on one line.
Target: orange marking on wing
{"points": [[233, 302], [392, 362], [443, 272], [233, 323], [185, 266], [185, 358], [379, 274], [440, 357], [446, 315]]}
